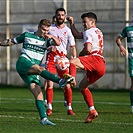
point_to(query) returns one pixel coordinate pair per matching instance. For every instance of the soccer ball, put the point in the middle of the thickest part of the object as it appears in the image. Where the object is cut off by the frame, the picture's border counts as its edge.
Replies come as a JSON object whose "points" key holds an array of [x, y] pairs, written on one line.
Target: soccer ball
{"points": [[62, 63]]}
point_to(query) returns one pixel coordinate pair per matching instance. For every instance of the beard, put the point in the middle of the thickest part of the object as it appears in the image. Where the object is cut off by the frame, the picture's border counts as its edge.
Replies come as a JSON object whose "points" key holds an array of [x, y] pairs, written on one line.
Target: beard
{"points": [[60, 21]]}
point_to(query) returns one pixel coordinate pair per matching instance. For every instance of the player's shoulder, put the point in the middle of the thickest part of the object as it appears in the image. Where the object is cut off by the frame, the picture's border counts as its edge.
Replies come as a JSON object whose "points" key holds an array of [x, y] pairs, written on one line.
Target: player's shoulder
{"points": [[29, 33], [90, 30], [52, 26], [129, 26], [127, 29], [66, 27]]}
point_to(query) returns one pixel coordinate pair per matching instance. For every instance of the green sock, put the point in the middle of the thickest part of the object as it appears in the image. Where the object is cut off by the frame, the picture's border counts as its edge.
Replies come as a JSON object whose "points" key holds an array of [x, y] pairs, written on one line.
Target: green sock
{"points": [[49, 76], [41, 108], [131, 97]]}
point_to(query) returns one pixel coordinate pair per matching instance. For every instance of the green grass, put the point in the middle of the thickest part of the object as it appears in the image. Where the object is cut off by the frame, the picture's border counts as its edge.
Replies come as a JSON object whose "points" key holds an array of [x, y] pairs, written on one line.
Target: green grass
{"points": [[19, 115]]}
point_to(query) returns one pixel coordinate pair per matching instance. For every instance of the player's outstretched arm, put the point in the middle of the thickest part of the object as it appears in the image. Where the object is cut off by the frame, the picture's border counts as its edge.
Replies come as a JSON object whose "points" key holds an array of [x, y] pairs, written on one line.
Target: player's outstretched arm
{"points": [[7, 42]]}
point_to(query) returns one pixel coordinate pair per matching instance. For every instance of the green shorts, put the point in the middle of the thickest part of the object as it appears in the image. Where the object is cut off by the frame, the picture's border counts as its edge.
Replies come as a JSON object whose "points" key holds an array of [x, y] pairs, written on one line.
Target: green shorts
{"points": [[130, 61], [22, 66]]}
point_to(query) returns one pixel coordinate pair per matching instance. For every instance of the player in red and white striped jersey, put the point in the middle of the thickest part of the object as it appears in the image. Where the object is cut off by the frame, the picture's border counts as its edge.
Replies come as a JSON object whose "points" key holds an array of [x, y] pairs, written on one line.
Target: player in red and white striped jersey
{"points": [[90, 58]]}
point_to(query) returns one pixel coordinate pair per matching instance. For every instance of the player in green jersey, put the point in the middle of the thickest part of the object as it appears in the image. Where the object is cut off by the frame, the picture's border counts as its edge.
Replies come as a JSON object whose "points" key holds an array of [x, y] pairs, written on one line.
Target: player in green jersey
{"points": [[128, 33], [28, 64]]}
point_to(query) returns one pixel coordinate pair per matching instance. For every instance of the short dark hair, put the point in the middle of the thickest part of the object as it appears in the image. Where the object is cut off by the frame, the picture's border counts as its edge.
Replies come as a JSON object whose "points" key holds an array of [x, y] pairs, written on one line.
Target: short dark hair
{"points": [[89, 15], [44, 22], [60, 9]]}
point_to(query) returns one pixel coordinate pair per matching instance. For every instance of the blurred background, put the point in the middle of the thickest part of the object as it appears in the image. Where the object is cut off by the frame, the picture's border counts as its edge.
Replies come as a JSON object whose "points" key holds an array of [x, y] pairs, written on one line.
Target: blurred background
{"points": [[24, 15]]}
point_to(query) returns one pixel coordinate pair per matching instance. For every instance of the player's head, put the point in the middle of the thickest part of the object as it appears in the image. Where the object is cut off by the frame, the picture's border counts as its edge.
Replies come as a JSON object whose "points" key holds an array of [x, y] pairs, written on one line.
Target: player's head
{"points": [[89, 19], [90, 15], [43, 27], [54, 19], [44, 22], [60, 14]]}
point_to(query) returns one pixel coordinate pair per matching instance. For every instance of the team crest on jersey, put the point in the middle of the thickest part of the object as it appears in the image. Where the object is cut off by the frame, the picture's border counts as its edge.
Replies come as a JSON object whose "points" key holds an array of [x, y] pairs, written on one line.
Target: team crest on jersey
{"points": [[130, 34], [64, 33], [86, 38]]}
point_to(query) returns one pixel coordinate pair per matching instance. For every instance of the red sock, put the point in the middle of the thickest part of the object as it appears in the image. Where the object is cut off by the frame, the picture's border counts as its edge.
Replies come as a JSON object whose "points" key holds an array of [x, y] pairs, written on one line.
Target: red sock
{"points": [[68, 96], [88, 97], [72, 70], [49, 95]]}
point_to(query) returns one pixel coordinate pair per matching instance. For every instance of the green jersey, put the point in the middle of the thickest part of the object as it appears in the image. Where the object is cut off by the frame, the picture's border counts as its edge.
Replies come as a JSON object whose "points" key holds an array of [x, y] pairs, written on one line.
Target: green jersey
{"points": [[128, 32], [33, 46]]}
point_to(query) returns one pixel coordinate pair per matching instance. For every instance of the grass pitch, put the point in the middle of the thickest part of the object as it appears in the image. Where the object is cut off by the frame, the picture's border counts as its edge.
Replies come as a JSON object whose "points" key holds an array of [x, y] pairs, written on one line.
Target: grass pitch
{"points": [[18, 113]]}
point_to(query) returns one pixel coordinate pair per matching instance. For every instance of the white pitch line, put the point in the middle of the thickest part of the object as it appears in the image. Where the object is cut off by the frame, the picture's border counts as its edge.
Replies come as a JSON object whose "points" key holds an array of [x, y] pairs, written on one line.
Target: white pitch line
{"points": [[67, 120], [21, 100]]}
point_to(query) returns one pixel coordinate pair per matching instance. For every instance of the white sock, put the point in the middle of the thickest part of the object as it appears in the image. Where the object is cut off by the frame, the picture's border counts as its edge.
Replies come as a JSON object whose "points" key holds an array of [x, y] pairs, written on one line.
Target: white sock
{"points": [[44, 119], [91, 108], [69, 107], [49, 106]]}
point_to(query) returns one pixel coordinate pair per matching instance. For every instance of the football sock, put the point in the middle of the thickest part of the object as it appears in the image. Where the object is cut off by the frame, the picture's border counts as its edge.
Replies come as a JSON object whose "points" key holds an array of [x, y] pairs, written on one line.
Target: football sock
{"points": [[68, 96], [41, 108], [49, 76], [87, 97], [49, 95], [131, 98], [49, 106], [91, 108], [72, 70], [69, 107]]}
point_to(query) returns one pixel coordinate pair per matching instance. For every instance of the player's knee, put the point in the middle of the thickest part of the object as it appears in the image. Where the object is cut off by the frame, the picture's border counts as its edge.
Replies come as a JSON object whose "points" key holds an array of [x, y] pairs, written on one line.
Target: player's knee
{"points": [[40, 69], [71, 61], [50, 84]]}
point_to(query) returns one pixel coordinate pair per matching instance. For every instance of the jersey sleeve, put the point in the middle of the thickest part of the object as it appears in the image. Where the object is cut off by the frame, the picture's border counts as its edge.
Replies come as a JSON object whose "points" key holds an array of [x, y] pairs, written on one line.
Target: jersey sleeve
{"points": [[49, 42], [19, 39], [87, 37], [71, 39], [123, 34]]}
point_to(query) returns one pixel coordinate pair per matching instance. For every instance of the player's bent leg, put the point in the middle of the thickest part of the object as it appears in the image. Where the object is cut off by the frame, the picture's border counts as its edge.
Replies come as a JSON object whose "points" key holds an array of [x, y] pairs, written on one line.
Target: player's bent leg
{"points": [[62, 82], [36, 69], [39, 70]]}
